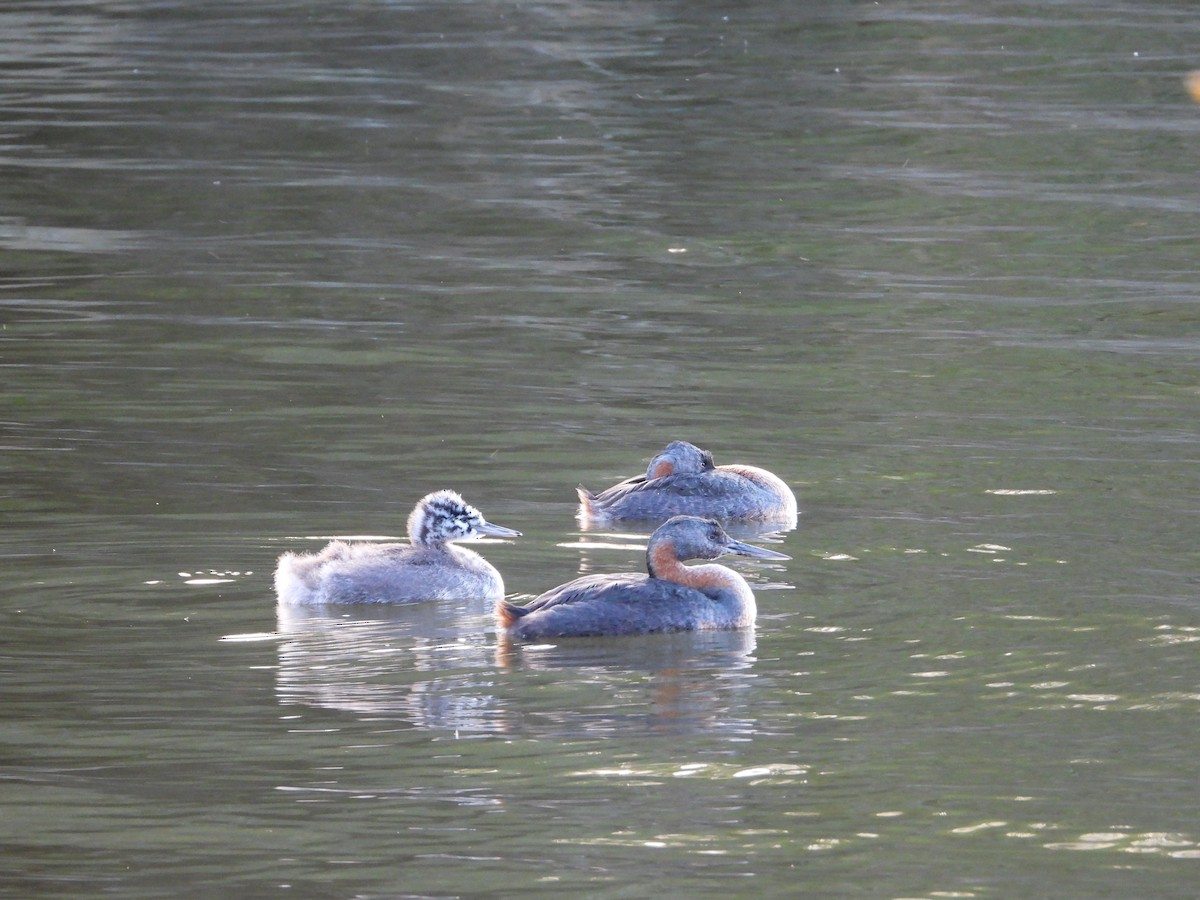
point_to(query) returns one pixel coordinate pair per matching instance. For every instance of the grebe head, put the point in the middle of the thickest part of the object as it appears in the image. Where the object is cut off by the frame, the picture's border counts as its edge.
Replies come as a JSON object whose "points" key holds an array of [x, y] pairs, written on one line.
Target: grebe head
{"points": [[444, 516], [679, 458], [690, 537]]}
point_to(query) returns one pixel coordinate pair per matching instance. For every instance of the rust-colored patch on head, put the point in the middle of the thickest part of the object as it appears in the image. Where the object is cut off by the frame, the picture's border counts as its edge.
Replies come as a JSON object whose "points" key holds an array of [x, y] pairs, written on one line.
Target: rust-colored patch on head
{"points": [[664, 468]]}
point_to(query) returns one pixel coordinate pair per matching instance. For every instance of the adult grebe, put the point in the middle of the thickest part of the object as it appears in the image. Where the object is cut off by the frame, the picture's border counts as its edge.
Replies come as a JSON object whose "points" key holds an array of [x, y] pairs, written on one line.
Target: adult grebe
{"points": [[431, 568], [684, 480], [673, 597]]}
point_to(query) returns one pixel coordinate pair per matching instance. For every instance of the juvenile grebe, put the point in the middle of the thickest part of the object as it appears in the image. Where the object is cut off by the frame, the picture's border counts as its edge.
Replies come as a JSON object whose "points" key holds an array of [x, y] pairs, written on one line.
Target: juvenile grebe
{"points": [[684, 480], [430, 568], [673, 597]]}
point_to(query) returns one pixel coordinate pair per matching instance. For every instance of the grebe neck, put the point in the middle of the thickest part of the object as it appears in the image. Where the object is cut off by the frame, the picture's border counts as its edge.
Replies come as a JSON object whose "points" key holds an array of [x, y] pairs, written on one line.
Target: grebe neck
{"points": [[662, 561]]}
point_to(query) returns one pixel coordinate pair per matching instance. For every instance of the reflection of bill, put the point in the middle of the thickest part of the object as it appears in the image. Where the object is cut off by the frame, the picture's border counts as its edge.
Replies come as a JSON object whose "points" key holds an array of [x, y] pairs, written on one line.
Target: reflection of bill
{"points": [[1191, 81]]}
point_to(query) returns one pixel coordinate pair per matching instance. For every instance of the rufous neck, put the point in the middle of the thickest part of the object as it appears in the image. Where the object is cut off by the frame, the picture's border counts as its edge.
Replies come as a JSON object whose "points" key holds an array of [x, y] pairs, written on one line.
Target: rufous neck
{"points": [[663, 562]]}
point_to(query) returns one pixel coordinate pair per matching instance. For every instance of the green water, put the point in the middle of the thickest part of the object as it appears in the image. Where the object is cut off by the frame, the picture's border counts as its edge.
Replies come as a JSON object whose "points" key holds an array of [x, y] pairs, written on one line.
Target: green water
{"points": [[273, 272]]}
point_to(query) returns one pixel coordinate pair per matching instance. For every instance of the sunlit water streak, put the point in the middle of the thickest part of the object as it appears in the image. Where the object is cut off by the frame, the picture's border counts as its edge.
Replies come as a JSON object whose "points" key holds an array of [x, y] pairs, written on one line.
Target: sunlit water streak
{"points": [[274, 271]]}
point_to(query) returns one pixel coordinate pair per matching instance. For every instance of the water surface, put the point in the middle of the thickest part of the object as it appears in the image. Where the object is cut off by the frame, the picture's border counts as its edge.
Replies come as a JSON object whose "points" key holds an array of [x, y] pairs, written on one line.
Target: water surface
{"points": [[273, 272]]}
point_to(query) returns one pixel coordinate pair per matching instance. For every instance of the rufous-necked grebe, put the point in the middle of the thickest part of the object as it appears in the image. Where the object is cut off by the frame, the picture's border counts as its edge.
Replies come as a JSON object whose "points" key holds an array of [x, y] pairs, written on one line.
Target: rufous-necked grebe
{"points": [[430, 568], [672, 597], [684, 480]]}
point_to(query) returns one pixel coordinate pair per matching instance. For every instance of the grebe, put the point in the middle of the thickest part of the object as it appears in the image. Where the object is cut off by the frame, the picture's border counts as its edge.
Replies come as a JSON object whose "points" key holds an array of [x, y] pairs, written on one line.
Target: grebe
{"points": [[684, 480], [673, 597], [431, 568]]}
